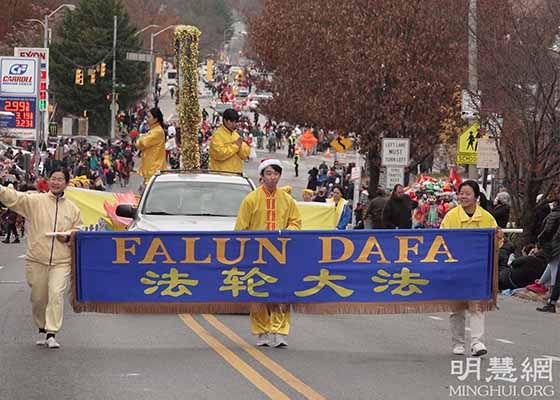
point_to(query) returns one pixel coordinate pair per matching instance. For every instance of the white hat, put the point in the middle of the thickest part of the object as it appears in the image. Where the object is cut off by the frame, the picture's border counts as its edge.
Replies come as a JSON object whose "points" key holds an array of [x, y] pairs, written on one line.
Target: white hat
{"points": [[268, 163]]}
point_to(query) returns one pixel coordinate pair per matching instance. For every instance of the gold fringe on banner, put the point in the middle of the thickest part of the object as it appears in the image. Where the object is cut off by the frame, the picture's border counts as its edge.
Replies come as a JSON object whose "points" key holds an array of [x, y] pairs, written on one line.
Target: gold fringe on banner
{"points": [[303, 308], [391, 308], [161, 308]]}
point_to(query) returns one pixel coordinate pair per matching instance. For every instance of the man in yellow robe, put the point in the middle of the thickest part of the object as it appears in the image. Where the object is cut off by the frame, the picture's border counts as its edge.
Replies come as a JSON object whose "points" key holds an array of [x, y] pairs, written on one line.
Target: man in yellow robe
{"points": [[267, 208], [228, 151]]}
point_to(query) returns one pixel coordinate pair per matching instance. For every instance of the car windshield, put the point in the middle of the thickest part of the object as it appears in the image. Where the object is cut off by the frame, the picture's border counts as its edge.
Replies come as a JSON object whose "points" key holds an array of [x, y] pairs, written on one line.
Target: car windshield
{"points": [[195, 198]]}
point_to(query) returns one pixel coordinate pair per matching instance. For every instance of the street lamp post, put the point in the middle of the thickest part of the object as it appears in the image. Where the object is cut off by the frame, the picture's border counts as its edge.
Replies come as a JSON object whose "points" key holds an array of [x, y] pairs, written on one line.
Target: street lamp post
{"points": [[473, 70], [45, 114], [45, 22], [146, 28], [114, 79], [152, 36], [71, 7]]}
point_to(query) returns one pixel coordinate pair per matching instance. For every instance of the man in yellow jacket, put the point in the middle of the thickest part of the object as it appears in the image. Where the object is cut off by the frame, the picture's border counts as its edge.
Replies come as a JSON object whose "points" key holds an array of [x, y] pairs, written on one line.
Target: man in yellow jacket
{"points": [[152, 146], [269, 208], [227, 148], [48, 258]]}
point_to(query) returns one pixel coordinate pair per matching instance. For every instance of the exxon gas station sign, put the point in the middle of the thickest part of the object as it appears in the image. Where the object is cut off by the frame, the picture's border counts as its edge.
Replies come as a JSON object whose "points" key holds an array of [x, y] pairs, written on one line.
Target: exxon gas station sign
{"points": [[43, 56], [19, 76]]}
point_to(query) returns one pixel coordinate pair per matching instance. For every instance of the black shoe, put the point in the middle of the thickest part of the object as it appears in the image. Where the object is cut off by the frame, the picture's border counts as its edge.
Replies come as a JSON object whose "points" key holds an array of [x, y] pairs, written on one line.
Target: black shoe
{"points": [[547, 308], [16, 241], [6, 241]]}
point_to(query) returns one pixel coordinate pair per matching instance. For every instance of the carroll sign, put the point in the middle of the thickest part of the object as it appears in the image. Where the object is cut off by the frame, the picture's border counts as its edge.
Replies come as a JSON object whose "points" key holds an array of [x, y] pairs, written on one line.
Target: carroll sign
{"points": [[18, 76]]}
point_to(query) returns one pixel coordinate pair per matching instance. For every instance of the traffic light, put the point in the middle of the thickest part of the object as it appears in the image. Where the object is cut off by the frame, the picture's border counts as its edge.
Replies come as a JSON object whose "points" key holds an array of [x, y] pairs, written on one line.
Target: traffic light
{"points": [[79, 77], [103, 70], [92, 77], [42, 96]]}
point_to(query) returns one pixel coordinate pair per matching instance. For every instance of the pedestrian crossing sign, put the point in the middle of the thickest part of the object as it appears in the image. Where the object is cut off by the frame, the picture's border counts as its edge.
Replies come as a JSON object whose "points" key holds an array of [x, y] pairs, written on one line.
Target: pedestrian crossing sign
{"points": [[341, 144], [468, 144]]}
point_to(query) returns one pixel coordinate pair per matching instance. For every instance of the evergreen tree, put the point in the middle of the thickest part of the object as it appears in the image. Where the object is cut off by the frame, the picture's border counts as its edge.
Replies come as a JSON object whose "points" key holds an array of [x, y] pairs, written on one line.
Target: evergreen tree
{"points": [[86, 42]]}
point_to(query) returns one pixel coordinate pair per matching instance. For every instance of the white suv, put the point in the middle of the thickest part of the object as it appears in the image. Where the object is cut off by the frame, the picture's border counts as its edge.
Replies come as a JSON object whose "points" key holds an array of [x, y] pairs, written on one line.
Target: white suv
{"points": [[189, 201]]}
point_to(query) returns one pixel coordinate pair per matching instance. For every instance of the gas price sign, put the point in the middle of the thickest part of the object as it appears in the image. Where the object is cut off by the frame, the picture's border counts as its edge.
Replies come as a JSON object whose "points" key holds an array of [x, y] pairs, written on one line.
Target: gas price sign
{"points": [[23, 110]]}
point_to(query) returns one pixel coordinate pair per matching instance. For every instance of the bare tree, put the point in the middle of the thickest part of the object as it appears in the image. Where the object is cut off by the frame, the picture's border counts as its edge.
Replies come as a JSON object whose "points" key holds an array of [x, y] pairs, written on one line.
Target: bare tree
{"points": [[519, 67], [385, 68]]}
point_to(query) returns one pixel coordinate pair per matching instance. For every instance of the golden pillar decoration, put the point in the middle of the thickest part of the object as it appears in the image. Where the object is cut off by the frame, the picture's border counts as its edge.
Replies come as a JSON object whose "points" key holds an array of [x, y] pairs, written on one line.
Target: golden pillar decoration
{"points": [[188, 108]]}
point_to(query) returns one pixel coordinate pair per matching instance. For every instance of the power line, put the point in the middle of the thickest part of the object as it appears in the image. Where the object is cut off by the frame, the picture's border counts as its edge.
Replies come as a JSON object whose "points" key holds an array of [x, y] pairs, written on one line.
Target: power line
{"points": [[77, 65], [86, 47]]}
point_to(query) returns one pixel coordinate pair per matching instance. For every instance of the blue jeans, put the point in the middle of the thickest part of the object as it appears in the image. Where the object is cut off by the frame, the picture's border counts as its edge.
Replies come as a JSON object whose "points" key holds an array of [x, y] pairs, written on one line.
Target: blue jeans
{"points": [[555, 289], [549, 274]]}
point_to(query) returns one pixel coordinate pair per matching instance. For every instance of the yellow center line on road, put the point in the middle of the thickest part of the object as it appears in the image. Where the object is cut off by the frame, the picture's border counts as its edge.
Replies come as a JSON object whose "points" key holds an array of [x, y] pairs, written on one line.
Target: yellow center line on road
{"points": [[258, 355], [232, 359]]}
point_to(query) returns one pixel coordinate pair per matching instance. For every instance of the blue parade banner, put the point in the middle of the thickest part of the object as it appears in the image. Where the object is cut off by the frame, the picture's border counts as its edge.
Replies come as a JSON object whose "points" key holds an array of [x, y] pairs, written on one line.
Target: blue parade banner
{"points": [[419, 270]]}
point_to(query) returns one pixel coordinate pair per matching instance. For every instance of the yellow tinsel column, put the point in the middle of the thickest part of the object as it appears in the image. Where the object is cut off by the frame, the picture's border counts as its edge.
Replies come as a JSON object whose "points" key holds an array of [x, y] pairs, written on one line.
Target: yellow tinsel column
{"points": [[188, 109]]}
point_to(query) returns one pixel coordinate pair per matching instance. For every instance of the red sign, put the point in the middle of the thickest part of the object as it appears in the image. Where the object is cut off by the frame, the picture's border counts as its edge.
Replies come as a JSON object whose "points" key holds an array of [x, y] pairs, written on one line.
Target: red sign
{"points": [[33, 53]]}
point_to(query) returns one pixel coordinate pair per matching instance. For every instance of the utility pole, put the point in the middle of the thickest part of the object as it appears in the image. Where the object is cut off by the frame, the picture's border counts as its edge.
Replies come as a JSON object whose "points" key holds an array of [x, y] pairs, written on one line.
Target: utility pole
{"points": [[113, 104], [41, 136], [151, 87], [357, 189], [150, 84], [44, 114], [473, 71]]}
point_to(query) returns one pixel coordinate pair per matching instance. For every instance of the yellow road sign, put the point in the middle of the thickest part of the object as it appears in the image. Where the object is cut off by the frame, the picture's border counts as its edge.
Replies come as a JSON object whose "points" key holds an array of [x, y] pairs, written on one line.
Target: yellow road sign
{"points": [[341, 144], [468, 145]]}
